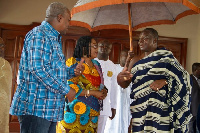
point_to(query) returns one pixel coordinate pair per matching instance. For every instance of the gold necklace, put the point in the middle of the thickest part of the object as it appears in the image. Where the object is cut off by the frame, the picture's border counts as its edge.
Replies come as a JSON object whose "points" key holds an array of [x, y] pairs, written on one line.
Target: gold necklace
{"points": [[90, 68]]}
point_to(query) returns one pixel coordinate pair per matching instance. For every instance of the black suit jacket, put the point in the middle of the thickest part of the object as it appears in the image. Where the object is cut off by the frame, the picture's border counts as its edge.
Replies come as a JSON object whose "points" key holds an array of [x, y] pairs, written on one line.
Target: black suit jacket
{"points": [[195, 96]]}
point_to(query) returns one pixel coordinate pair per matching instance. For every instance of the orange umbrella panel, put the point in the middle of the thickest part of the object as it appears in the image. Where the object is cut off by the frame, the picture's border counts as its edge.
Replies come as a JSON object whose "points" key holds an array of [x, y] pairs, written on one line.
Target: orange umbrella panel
{"points": [[113, 14], [142, 14]]}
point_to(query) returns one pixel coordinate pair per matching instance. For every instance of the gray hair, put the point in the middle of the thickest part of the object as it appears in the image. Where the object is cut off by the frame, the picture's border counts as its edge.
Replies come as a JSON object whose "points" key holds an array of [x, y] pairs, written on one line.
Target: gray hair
{"points": [[54, 9]]}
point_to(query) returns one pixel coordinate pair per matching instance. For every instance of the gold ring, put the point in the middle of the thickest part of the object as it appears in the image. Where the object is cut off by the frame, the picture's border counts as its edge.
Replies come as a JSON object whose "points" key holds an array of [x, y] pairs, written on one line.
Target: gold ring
{"points": [[125, 78], [157, 89]]}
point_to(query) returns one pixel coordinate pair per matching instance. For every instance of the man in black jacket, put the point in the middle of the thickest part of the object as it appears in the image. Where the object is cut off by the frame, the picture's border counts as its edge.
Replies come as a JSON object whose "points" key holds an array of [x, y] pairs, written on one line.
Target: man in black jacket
{"points": [[195, 96]]}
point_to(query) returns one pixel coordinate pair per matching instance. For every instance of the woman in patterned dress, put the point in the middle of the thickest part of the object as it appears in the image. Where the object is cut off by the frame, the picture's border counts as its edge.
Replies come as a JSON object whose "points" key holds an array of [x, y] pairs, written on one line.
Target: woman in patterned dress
{"points": [[81, 114]]}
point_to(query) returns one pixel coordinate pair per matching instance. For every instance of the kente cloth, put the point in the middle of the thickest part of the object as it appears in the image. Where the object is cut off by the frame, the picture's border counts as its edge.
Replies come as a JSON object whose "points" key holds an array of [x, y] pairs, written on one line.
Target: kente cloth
{"points": [[166, 110], [82, 113]]}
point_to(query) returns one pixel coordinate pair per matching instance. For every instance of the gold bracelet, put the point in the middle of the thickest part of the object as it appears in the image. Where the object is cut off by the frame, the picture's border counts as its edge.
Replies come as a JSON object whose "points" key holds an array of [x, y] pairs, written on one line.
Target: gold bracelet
{"points": [[87, 93], [166, 82]]}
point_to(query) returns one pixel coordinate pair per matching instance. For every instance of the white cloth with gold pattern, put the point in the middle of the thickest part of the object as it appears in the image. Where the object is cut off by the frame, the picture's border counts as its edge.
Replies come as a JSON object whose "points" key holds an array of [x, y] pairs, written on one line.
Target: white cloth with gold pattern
{"points": [[5, 94]]}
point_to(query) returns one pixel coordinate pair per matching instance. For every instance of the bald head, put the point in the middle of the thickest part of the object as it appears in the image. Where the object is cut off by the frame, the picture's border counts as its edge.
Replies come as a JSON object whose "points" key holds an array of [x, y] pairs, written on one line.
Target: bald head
{"points": [[152, 31], [104, 49]]}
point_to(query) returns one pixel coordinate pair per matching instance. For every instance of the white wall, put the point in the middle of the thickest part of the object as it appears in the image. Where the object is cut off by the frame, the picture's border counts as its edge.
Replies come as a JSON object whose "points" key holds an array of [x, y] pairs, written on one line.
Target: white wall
{"points": [[24, 12]]}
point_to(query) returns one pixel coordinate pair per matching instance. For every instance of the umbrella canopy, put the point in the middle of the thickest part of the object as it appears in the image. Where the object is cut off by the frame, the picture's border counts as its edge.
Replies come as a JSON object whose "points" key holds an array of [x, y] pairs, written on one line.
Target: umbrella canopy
{"points": [[113, 14], [109, 14]]}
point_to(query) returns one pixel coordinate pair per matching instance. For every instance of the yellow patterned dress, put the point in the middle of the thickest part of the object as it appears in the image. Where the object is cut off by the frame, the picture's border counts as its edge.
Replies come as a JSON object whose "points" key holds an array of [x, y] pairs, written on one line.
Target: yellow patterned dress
{"points": [[81, 115]]}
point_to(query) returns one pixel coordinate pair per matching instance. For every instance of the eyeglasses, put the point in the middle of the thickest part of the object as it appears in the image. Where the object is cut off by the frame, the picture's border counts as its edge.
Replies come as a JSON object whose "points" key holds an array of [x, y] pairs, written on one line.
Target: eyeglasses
{"points": [[94, 46]]}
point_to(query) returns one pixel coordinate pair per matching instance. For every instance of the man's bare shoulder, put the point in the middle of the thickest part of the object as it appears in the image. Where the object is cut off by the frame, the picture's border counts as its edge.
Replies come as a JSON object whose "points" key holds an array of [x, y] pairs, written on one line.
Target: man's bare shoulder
{"points": [[135, 59]]}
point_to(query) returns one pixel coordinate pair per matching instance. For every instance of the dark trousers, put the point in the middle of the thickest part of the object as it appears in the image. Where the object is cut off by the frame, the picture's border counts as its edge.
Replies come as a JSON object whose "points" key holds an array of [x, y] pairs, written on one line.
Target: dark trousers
{"points": [[192, 125], [34, 124], [198, 119]]}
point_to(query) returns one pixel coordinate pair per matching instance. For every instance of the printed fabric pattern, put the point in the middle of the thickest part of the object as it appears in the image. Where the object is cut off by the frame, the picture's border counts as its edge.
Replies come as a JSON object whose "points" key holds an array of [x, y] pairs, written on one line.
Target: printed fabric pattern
{"points": [[82, 113], [42, 75]]}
